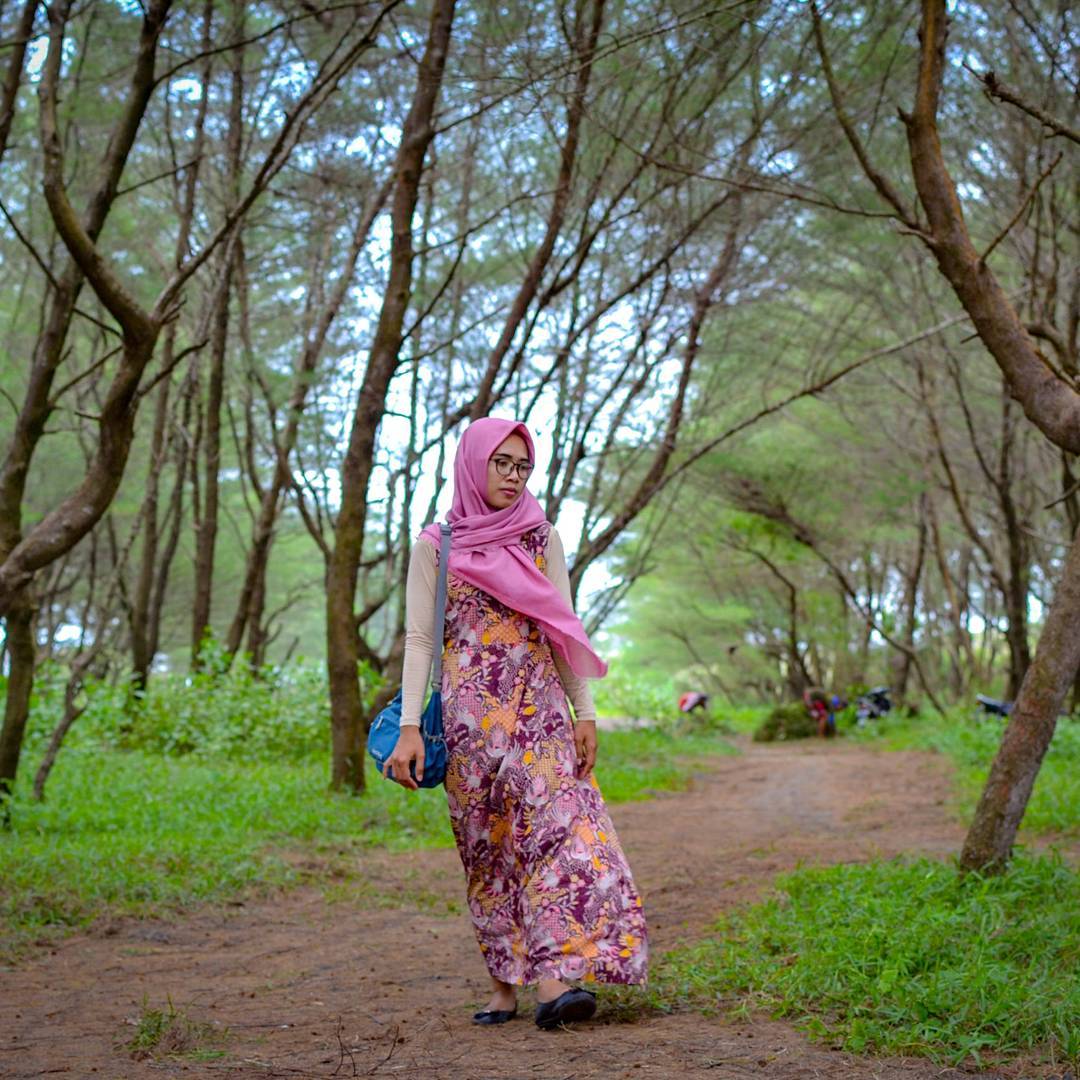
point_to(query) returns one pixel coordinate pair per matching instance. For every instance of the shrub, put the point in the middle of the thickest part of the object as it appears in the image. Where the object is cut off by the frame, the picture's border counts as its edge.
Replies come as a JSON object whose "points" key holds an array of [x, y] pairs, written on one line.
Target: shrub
{"points": [[637, 695], [232, 713], [790, 721], [221, 711]]}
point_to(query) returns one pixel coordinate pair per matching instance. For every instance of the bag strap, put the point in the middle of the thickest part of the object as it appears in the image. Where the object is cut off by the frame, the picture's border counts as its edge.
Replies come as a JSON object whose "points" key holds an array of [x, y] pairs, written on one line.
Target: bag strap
{"points": [[440, 611]]}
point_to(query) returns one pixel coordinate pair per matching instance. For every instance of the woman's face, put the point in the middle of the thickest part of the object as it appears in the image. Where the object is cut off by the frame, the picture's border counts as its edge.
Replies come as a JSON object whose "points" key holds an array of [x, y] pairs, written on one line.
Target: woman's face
{"points": [[502, 491]]}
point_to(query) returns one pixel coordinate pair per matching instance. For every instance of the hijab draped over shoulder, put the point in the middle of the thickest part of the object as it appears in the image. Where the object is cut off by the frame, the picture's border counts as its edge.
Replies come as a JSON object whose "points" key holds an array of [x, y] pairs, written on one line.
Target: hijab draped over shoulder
{"points": [[486, 551]]}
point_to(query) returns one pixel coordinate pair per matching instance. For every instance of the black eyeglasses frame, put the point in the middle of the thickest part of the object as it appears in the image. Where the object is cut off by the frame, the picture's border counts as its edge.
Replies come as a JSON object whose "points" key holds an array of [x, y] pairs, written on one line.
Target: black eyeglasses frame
{"points": [[507, 466]]}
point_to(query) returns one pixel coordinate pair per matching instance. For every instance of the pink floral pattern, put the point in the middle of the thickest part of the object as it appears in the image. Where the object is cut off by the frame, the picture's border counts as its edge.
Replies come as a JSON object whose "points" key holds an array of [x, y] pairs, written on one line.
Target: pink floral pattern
{"points": [[549, 888]]}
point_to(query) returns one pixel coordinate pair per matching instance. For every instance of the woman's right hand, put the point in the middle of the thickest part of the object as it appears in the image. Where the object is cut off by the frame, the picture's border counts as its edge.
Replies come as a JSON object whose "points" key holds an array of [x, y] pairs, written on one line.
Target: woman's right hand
{"points": [[409, 748]]}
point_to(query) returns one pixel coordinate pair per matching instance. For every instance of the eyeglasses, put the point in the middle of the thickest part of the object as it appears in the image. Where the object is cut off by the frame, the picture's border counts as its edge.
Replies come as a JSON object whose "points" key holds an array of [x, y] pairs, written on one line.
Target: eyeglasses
{"points": [[505, 466]]}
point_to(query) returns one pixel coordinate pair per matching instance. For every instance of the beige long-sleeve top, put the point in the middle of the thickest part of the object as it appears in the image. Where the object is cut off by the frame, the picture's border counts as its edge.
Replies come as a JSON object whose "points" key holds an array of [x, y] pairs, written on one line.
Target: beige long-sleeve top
{"points": [[420, 624]]}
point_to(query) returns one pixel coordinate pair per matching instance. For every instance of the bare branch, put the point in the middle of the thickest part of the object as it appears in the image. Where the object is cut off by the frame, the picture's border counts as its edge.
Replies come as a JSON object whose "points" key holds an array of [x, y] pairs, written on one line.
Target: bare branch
{"points": [[995, 88], [881, 182], [320, 88], [14, 72], [1025, 203], [78, 239], [1049, 401]]}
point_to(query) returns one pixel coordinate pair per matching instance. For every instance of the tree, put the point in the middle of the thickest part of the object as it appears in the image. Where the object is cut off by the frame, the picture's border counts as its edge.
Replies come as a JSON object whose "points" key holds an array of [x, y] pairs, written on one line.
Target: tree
{"points": [[341, 630], [137, 320], [1049, 397]]}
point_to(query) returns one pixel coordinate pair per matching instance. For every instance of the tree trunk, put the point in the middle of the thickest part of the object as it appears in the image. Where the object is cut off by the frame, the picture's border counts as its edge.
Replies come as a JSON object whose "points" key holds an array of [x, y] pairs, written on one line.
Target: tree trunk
{"points": [[146, 612], [256, 628], [1016, 586], [1071, 484], [72, 712], [795, 673], [1016, 634], [174, 518], [990, 839], [219, 339], [23, 32], [342, 645], [19, 625], [141, 657], [206, 539], [1051, 403], [867, 632], [252, 592], [902, 661]]}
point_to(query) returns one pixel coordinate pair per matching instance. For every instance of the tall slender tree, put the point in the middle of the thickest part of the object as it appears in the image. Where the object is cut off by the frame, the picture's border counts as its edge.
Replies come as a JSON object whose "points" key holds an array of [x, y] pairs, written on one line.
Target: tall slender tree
{"points": [[342, 645]]}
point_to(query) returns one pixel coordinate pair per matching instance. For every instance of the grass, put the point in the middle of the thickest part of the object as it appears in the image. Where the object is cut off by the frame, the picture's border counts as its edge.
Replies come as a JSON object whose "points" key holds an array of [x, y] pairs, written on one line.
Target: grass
{"points": [[891, 957], [169, 1032], [907, 957], [903, 957], [634, 764], [141, 832], [135, 832], [971, 744]]}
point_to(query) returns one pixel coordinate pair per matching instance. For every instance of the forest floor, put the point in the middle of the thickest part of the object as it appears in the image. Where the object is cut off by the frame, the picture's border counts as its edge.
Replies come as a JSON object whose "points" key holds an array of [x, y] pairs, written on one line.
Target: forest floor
{"points": [[372, 969]]}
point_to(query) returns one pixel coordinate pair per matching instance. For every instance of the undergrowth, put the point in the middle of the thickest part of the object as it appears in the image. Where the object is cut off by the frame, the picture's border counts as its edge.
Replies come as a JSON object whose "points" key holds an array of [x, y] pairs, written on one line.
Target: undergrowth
{"points": [[903, 957], [971, 743], [151, 809], [644, 697]]}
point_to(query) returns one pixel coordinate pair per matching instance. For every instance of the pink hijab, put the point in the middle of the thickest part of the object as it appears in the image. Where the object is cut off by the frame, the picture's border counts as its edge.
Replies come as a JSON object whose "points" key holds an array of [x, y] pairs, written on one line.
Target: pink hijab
{"points": [[486, 550]]}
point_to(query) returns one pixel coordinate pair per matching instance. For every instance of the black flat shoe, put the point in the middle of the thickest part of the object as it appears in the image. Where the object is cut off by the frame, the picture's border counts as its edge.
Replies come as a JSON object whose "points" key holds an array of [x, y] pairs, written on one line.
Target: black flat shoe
{"points": [[569, 1006], [494, 1016]]}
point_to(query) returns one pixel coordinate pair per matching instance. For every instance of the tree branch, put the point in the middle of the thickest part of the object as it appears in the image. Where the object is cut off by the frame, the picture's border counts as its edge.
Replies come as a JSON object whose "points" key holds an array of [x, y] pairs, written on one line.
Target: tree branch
{"points": [[79, 241], [995, 88], [1021, 210], [1049, 401], [878, 179]]}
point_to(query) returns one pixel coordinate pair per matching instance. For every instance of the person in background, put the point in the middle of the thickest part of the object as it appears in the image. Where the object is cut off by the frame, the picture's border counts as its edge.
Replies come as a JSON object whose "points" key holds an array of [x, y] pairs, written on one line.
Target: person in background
{"points": [[817, 705], [692, 700], [836, 703]]}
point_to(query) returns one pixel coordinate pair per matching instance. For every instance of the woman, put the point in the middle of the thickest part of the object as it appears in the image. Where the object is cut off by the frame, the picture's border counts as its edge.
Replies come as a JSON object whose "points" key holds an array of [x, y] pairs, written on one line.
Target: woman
{"points": [[549, 890]]}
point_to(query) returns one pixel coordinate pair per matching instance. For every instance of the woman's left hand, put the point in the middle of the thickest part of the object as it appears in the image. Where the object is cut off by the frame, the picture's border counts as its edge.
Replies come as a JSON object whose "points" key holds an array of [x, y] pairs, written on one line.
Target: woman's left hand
{"points": [[585, 744]]}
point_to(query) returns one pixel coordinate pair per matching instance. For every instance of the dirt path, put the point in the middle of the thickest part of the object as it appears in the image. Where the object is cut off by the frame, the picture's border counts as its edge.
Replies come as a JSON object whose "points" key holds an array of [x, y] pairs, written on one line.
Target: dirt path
{"points": [[380, 977]]}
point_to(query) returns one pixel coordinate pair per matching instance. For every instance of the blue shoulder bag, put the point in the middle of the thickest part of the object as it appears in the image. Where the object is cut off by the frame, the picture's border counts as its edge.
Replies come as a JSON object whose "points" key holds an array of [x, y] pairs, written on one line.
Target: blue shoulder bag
{"points": [[386, 727]]}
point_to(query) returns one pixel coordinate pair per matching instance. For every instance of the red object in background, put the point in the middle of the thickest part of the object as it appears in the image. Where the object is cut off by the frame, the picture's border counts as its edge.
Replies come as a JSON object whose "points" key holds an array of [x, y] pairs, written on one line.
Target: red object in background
{"points": [[820, 712], [692, 700]]}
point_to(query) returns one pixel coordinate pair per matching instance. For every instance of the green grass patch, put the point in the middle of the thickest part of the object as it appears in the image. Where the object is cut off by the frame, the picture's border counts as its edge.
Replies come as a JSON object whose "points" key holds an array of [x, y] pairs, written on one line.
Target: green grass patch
{"points": [[136, 832], [744, 720], [903, 957], [971, 744], [141, 831], [633, 764]]}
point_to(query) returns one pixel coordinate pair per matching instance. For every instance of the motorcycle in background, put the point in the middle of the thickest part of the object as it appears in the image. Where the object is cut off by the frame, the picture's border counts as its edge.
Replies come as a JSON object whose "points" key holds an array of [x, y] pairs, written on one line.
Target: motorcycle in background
{"points": [[872, 705], [988, 706]]}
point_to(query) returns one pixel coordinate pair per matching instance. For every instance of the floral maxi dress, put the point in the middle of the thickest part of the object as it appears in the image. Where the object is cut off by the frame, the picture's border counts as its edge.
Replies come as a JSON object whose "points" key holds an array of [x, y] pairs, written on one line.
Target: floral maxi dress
{"points": [[549, 888]]}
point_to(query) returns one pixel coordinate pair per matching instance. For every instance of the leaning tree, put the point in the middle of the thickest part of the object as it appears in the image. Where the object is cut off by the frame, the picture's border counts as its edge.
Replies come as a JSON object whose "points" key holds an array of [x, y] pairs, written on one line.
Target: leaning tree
{"points": [[1048, 392]]}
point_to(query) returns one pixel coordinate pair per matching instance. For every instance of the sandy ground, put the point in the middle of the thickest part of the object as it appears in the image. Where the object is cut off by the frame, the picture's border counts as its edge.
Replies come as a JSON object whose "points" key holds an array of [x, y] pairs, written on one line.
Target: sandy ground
{"points": [[378, 975]]}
